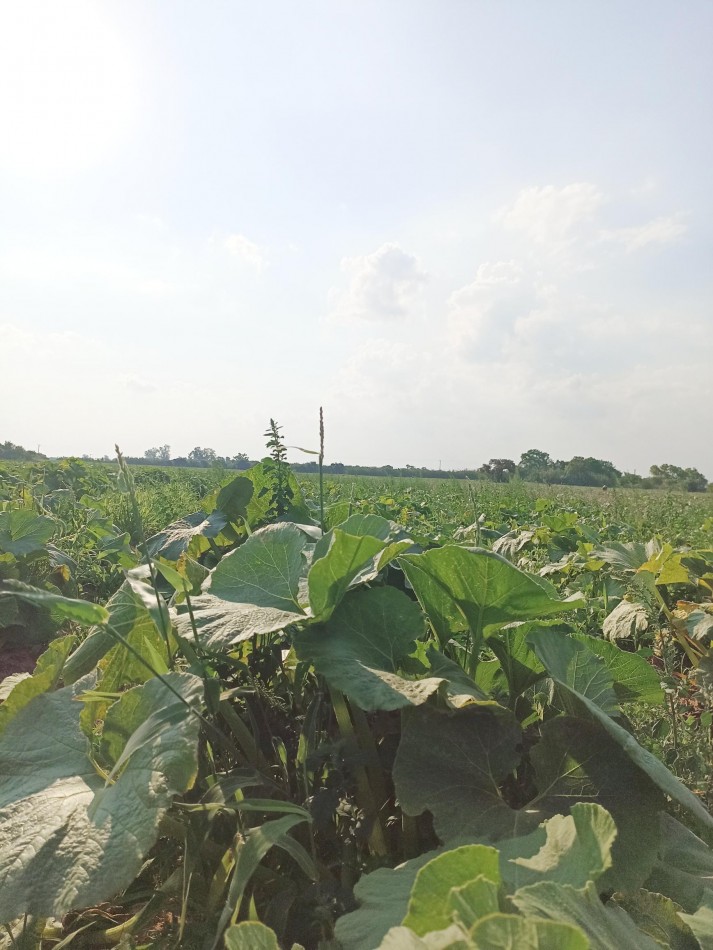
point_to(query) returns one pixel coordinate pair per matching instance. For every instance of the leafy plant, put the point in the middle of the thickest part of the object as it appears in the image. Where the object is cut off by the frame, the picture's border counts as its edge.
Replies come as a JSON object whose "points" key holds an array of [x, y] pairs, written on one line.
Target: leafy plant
{"points": [[301, 725]]}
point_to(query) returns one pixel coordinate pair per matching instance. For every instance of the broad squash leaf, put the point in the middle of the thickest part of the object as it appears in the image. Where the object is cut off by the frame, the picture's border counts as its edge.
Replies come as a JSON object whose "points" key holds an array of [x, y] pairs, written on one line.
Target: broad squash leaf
{"points": [[66, 840], [488, 590], [363, 645], [453, 765]]}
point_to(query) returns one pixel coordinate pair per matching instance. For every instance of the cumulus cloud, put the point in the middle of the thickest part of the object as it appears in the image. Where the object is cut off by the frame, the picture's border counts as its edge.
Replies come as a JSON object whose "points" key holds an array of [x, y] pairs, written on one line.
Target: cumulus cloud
{"points": [[663, 230], [138, 384], [386, 285], [550, 216], [238, 246], [481, 314], [498, 272]]}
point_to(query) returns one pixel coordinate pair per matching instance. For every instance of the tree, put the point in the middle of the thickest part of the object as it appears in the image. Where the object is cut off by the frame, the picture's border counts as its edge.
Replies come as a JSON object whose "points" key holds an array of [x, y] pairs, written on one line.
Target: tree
{"points": [[673, 476], [533, 465], [202, 457], [16, 453], [498, 470], [590, 471], [162, 453], [241, 461]]}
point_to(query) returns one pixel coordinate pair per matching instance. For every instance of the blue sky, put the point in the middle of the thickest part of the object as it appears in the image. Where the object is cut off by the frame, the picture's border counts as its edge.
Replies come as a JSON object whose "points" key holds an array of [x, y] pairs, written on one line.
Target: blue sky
{"points": [[466, 229]]}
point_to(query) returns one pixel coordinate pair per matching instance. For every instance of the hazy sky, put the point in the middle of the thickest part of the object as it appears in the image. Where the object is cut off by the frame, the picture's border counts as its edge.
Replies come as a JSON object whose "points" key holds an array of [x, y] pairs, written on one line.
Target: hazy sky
{"points": [[466, 227]]}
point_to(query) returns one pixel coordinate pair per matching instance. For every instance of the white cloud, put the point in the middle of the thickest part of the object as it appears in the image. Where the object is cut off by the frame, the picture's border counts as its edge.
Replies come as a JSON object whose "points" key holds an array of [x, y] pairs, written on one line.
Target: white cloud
{"points": [[244, 250], [424, 401], [138, 384], [481, 314], [663, 230], [550, 216], [498, 272], [386, 285]]}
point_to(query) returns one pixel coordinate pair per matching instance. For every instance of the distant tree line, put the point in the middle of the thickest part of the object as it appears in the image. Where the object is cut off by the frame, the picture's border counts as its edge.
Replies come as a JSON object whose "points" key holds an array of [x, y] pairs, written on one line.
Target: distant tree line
{"points": [[534, 466], [196, 458], [15, 453], [537, 466]]}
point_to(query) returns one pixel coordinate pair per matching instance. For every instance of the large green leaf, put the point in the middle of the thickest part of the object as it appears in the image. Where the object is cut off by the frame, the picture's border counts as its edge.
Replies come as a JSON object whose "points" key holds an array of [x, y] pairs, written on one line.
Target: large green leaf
{"points": [[250, 935], [253, 590], [444, 614], [462, 884], [564, 673], [684, 870], [363, 645], [658, 916], [570, 849], [265, 571], [487, 588], [61, 608], [338, 560], [633, 679], [577, 761], [452, 938], [453, 765], [368, 525], [174, 540], [24, 532], [518, 661], [701, 923], [428, 907], [606, 927], [129, 618], [66, 840], [510, 932], [475, 899], [233, 499], [374, 526], [383, 896], [45, 677], [460, 689], [222, 623], [569, 661]]}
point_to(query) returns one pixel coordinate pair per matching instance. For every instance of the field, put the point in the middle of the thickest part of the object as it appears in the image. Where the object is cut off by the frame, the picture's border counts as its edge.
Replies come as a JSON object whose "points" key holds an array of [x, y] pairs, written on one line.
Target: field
{"points": [[257, 696]]}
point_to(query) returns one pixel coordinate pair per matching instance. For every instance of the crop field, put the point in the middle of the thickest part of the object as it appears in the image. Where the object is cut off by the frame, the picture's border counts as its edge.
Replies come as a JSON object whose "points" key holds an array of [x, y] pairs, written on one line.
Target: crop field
{"points": [[259, 711]]}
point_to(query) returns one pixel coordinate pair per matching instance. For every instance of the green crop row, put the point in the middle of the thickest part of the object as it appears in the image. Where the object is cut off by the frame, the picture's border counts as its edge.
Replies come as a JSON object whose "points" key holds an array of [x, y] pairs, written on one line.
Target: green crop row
{"points": [[360, 716]]}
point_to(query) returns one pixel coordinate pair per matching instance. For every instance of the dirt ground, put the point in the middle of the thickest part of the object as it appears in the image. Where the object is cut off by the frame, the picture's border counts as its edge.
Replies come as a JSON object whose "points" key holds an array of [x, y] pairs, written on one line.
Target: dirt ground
{"points": [[17, 660]]}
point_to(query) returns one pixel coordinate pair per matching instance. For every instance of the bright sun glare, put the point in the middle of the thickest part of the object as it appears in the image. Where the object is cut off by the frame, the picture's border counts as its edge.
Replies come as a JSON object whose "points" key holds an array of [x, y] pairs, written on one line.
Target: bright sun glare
{"points": [[66, 87]]}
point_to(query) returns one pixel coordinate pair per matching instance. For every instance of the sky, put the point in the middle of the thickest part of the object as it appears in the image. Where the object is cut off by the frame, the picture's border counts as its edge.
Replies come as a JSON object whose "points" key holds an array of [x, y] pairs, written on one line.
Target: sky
{"points": [[466, 228]]}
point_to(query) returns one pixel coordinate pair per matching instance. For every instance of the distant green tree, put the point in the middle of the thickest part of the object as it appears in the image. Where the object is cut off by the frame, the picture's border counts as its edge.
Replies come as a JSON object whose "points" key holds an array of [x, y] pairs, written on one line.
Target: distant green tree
{"points": [[631, 480], [240, 461], [673, 476], [534, 465], [590, 471], [498, 470], [16, 453], [202, 457]]}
